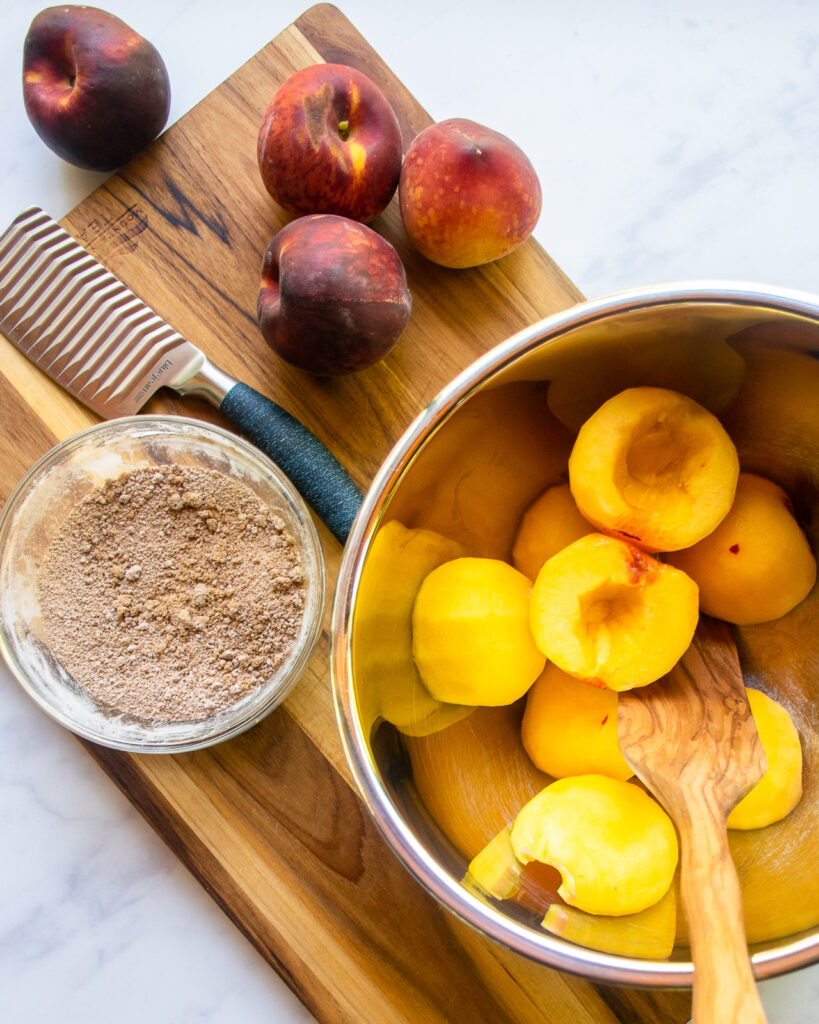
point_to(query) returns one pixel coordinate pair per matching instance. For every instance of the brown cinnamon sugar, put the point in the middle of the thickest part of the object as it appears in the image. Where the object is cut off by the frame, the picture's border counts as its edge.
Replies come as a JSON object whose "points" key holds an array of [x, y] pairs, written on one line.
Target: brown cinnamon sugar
{"points": [[172, 593]]}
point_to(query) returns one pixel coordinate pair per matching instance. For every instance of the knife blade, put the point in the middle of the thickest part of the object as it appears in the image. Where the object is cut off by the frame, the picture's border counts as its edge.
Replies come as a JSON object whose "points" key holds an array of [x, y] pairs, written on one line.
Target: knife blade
{"points": [[97, 339]]}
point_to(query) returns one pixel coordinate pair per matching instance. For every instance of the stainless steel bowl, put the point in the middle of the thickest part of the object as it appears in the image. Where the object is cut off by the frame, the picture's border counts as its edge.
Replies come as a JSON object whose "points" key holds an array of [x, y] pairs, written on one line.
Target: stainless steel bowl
{"points": [[466, 468]]}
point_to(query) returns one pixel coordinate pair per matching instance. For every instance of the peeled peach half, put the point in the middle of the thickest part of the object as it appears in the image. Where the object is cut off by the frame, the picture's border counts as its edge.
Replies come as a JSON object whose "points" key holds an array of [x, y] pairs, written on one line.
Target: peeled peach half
{"points": [[614, 846], [390, 687], [606, 612], [654, 467], [550, 524], [780, 788], [495, 870], [570, 727], [648, 934], [471, 638], [757, 564]]}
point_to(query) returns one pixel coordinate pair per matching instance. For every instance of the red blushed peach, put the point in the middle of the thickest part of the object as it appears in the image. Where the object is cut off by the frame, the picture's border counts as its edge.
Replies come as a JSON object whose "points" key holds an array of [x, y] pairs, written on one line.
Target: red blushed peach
{"points": [[95, 91], [468, 194], [334, 295], [330, 143]]}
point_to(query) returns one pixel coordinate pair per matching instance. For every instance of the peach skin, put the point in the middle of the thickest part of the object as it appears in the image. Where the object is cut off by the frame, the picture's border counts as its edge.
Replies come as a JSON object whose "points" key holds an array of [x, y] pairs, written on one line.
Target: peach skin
{"points": [[468, 194], [330, 143], [95, 91], [333, 297]]}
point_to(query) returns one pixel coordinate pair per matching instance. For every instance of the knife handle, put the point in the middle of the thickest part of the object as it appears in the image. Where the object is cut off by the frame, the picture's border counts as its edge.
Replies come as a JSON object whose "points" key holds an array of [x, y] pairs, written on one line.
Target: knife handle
{"points": [[316, 473]]}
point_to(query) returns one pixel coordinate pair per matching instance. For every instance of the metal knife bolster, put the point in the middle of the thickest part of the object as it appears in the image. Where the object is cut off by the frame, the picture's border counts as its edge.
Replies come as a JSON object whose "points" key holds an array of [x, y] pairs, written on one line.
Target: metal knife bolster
{"points": [[205, 380]]}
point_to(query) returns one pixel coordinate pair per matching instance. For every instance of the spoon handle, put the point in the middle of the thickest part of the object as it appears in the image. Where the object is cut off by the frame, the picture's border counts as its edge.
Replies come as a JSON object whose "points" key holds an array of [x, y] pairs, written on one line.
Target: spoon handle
{"points": [[725, 991]]}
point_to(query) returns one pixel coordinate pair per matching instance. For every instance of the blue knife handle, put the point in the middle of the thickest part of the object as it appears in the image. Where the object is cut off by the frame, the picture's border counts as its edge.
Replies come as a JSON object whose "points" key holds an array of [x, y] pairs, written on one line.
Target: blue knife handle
{"points": [[316, 473]]}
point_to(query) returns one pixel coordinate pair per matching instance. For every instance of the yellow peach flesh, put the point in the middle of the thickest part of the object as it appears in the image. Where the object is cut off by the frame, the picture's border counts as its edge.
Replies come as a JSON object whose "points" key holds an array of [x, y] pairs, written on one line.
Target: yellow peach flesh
{"points": [[780, 788], [570, 727], [471, 638], [756, 565], [614, 846], [550, 524], [653, 467], [648, 934], [606, 612], [496, 870]]}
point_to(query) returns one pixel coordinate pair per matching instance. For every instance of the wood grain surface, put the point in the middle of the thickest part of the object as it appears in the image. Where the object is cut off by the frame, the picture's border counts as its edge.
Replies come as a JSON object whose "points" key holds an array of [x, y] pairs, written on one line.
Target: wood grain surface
{"points": [[269, 822], [690, 737]]}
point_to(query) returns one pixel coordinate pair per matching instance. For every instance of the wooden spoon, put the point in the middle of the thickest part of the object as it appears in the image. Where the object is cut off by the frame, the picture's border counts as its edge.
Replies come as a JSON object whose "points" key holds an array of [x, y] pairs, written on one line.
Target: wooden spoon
{"points": [[691, 739]]}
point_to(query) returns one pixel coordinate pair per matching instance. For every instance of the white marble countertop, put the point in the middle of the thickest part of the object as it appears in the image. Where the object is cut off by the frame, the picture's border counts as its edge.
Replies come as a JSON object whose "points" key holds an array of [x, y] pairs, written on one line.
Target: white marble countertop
{"points": [[673, 141]]}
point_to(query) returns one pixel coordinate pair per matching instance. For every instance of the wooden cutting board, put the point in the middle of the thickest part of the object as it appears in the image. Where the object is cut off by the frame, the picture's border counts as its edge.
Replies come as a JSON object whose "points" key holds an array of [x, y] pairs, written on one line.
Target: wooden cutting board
{"points": [[269, 822]]}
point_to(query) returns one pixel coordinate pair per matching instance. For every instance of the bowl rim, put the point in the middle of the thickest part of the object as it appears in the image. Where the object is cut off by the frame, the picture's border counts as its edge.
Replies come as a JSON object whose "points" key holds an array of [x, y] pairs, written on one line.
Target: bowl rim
{"points": [[777, 957], [296, 661]]}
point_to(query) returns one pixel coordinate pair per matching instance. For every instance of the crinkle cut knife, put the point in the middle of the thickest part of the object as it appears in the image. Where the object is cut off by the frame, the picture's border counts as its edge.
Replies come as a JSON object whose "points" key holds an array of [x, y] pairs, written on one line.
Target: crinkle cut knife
{"points": [[93, 336]]}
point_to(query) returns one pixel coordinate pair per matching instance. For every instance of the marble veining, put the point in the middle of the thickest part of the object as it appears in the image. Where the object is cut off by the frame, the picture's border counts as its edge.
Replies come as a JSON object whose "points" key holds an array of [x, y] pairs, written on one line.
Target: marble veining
{"points": [[672, 142]]}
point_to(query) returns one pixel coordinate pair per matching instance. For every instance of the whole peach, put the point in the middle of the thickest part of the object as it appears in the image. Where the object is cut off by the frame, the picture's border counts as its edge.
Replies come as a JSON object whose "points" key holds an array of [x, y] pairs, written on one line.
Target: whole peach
{"points": [[95, 91], [330, 143], [468, 194], [549, 524], [757, 565], [334, 295]]}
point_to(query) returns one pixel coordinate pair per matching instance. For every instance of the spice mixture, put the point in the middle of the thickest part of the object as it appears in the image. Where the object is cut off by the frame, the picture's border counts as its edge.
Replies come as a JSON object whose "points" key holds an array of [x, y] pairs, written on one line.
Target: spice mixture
{"points": [[171, 593]]}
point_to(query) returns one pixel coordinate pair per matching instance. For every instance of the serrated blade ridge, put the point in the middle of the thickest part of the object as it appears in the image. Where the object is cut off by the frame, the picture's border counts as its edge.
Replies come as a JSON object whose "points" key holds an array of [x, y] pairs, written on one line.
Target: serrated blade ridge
{"points": [[79, 323]]}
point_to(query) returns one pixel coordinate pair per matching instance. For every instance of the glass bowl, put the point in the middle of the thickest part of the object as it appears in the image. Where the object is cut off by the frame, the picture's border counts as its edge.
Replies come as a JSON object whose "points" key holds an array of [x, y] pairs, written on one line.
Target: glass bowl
{"points": [[38, 508]]}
